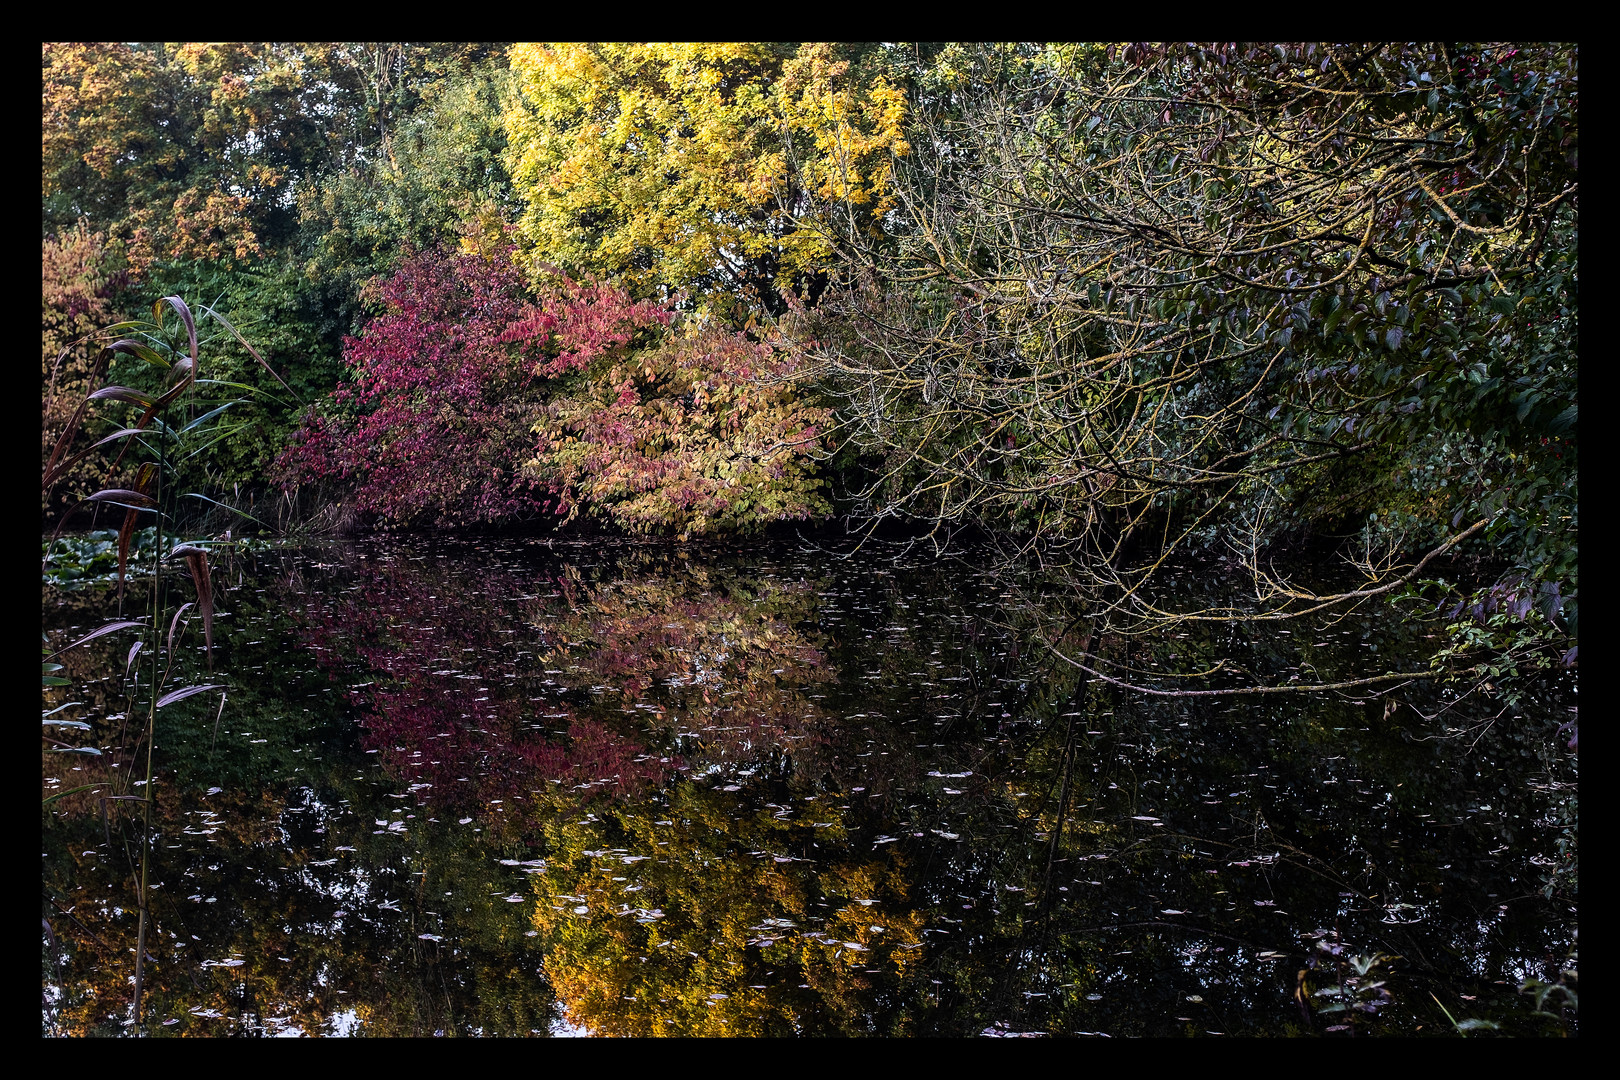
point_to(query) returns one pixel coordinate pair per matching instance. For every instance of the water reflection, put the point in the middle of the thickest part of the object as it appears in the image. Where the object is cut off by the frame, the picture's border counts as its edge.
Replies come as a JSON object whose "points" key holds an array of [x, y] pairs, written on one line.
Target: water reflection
{"points": [[497, 785]]}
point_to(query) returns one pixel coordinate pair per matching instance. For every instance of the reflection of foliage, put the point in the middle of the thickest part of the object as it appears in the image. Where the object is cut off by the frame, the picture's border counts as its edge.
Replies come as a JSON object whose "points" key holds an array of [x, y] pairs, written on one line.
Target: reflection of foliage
{"points": [[714, 670], [710, 918], [1346, 989], [268, 854], [1109, 870]]}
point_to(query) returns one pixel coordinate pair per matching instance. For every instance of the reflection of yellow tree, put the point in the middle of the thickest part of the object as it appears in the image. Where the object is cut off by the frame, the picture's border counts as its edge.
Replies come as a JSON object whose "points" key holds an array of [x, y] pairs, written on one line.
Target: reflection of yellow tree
{"points": [[692, 911], [705, 916]]}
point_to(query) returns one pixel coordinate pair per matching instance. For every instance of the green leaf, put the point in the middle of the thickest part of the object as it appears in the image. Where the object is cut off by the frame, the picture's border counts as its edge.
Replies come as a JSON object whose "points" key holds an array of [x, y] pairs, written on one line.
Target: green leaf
{"points": [[70, 791], [207, 416]]}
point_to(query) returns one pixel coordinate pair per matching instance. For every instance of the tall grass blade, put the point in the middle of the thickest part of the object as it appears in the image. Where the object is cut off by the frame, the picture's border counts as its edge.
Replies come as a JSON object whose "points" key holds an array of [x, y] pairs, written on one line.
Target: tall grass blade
{"points": [[207, 416], [184, 312], [197, 560], [71, 791], [120, 496], [223, 321], [92, 635], [98, 372], [185, 692], [174, 623], [232, 509], [121, 393], [139, 350], [143, 481], [62, 467]]}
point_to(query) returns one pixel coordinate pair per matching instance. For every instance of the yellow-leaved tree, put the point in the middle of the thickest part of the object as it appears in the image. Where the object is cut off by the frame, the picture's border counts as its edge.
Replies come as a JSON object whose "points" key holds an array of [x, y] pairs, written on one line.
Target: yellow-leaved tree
{"points": [[699, 169]]}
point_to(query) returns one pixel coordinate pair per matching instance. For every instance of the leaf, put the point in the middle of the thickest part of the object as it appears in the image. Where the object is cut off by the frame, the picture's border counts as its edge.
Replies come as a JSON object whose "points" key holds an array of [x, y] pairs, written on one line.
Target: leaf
{"points": [[133, 649], [222, 506], [217, 317], [184, 312], [121, 393], [62, 467], [71, 791], [209, 415], [123, 497], [143, 481], [175, 622], [197, 561], [185, 692], [139, 350], [92, 635]]}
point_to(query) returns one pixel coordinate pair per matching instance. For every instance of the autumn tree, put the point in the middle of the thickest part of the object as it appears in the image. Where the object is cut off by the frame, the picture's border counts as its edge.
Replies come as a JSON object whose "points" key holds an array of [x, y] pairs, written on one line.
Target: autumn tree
{"points": [[680, 166], [704, 434], [476, 400], [81, 280], [198, 150], [438, 415]]}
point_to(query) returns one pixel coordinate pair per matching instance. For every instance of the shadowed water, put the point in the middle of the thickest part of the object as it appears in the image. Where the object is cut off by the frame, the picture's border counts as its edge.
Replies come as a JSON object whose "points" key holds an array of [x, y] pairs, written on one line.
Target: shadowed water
{"points": [[506, 787]]}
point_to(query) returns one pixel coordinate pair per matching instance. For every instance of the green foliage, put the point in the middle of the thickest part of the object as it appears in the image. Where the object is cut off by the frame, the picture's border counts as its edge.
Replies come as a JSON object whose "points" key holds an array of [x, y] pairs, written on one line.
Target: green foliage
{"points": [[73, 562], [201, 150], [442, 175], [1203, 299], [293, 323]]}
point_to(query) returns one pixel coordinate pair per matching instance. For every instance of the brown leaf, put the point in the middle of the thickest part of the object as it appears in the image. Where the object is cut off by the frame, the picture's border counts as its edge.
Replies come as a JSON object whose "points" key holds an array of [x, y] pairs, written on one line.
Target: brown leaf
{"points": [[197, 561], [143, 483]]}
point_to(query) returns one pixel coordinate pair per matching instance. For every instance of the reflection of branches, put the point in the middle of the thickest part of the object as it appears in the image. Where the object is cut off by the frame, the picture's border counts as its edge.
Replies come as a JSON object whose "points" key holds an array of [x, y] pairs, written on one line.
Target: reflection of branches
{"points": [[1294, 688]]}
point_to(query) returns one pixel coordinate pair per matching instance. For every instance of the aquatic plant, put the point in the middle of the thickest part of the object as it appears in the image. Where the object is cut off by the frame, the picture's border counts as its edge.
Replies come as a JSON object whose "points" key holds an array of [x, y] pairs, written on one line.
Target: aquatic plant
{"points": [[174, 421]]}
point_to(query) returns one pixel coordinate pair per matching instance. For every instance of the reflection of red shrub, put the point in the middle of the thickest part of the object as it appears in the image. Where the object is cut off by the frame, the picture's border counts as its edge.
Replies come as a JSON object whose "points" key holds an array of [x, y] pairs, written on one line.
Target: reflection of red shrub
{"points": [[388, 638], [445, 693]]}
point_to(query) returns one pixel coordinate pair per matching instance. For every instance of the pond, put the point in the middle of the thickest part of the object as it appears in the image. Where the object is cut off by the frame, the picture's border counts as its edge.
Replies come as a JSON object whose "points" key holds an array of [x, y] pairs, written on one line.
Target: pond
{"points": [[509, 787]]}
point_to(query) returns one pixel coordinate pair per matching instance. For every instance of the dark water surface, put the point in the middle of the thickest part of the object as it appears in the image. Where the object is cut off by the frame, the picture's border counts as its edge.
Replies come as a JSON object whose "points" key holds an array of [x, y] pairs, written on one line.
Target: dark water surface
{"points": [[506, 787]]}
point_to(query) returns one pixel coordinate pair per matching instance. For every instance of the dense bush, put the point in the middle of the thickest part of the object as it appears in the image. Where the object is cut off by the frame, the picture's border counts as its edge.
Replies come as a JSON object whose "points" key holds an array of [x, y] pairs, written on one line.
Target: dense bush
{"points": [[475, 400]]}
